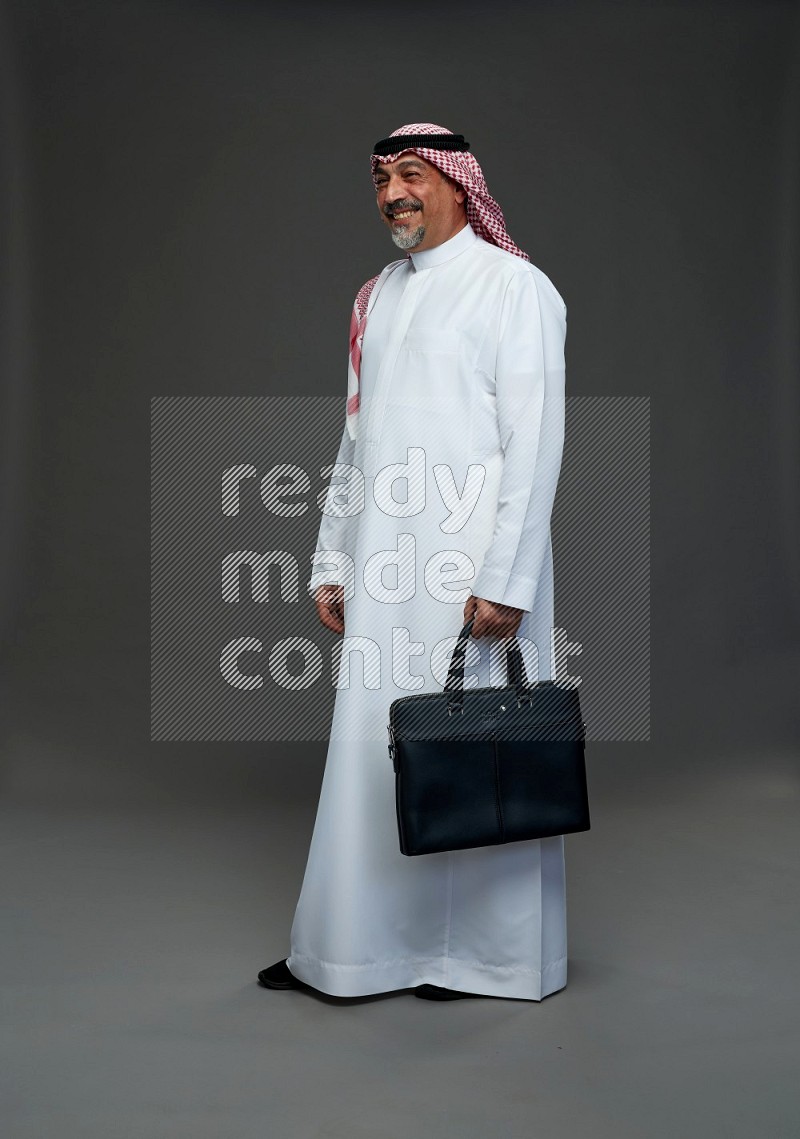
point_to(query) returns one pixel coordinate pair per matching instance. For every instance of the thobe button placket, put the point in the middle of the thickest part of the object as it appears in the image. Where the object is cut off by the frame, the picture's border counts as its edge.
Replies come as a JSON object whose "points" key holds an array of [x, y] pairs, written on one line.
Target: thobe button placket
{"points": [[377, 408]]}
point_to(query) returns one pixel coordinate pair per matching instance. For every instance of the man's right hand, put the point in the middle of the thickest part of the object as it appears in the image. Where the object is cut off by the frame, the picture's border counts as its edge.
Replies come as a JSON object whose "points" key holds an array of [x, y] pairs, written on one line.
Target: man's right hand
{"points": [[330, 606]]}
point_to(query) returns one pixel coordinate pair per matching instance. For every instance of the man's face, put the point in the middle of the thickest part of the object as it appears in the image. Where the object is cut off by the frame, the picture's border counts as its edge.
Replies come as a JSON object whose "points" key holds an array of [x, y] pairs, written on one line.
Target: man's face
{"points": [[421, 207]]}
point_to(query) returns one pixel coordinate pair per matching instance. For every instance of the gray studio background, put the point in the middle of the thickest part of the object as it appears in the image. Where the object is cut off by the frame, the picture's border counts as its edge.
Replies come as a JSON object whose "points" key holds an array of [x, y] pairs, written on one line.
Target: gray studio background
{"points": [[186, 209]]}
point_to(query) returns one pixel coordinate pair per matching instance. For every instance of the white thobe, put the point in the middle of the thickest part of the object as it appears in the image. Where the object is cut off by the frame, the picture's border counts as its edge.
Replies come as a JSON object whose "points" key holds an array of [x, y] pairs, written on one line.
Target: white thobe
{"points": [[462, 367]]}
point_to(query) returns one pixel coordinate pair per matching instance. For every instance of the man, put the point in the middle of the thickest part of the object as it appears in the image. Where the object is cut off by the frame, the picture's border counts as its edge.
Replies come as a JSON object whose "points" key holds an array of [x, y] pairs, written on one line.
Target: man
{"points": [[447, 471]]}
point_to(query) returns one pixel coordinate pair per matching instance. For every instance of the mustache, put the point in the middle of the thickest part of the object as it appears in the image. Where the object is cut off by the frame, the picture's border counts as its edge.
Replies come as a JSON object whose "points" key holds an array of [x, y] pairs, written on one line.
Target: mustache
{"points": [[398, 207]]}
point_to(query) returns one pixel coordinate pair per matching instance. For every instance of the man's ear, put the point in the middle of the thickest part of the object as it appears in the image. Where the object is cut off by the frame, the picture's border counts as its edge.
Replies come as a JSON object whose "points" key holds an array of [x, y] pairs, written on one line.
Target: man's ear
{"points": [[460, 192]]}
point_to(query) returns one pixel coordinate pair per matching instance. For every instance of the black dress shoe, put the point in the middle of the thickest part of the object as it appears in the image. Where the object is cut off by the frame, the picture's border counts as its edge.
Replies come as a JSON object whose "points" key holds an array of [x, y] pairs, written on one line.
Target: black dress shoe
{"points": [[437, 993], [277, 976]]}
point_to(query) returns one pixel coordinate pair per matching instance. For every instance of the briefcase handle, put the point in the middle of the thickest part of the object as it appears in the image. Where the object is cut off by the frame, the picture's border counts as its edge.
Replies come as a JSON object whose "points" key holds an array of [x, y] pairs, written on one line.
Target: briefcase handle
{"points": [[515, 671]]}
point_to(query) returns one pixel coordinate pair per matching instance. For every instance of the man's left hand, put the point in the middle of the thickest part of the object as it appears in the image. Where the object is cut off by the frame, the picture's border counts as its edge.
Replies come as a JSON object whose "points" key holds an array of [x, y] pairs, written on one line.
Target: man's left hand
{"points": [[491, 618]]}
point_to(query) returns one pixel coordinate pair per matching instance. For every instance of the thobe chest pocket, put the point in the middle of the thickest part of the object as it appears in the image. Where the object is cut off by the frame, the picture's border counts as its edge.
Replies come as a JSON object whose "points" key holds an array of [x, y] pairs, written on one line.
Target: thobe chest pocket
{"points": [[426, 374]]}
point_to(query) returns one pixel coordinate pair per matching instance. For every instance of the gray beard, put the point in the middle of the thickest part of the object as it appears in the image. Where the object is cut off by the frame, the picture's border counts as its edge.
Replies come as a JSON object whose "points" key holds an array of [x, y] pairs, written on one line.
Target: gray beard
{"points": [[407, 239]]}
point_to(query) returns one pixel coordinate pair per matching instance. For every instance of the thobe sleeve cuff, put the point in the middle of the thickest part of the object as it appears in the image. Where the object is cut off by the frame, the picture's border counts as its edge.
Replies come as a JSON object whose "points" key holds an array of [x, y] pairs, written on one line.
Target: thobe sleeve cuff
{"points": [[530, 401], [332, 538], [505, 588]]}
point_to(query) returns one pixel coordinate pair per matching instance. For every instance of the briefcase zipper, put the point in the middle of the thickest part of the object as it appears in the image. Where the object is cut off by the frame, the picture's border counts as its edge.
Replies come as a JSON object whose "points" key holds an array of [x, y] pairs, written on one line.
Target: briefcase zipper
{"points": [[446, 691], [392, 748]]}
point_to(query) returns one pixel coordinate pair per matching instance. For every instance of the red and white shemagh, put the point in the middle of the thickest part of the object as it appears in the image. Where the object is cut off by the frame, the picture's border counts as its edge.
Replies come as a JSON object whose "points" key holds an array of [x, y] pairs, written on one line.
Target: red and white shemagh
{"points": [[483, 214]]}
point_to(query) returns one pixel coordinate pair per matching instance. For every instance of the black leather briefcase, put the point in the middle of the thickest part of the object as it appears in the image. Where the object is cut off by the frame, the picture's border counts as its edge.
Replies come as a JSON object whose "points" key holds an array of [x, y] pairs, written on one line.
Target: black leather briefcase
{"points": [[484, 766]]}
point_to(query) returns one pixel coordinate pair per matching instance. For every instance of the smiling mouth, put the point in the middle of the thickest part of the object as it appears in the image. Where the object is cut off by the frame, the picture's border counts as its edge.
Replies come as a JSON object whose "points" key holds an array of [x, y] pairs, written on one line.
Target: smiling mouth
{"points": [[401, 215]]}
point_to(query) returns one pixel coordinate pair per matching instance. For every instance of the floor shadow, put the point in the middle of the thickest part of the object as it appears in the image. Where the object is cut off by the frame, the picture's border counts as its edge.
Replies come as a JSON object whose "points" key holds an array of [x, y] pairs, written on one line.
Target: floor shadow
{"points": [[341, 1002]]}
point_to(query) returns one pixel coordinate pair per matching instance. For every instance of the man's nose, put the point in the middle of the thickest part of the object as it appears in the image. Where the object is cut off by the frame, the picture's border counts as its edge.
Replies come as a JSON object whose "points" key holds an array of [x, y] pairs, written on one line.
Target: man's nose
{"points": [[394, 192]]}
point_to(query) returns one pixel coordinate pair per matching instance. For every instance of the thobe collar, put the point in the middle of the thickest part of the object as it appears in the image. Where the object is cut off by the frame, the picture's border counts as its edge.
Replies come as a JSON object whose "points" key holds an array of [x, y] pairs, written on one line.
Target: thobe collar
{"points": [[427, 258]]}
